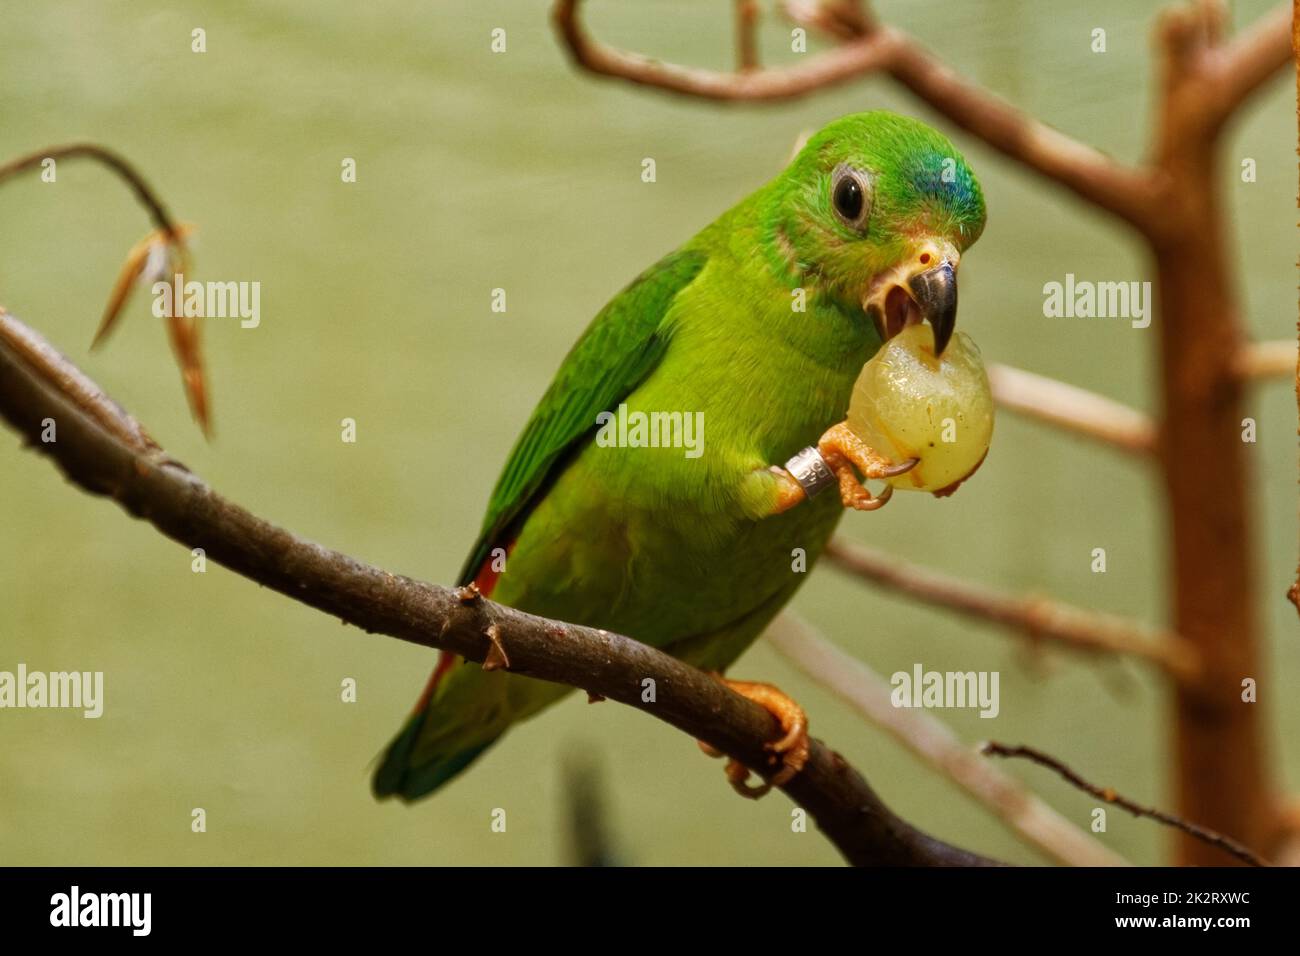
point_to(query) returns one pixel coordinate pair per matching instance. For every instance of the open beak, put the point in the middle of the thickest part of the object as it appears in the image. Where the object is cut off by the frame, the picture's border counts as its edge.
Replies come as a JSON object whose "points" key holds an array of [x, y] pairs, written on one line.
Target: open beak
{"points": [[918, 291]]}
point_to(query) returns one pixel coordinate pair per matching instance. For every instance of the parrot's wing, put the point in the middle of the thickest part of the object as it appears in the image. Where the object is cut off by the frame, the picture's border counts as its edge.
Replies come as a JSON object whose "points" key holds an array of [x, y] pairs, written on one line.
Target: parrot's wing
{"points": [[618, 350]]}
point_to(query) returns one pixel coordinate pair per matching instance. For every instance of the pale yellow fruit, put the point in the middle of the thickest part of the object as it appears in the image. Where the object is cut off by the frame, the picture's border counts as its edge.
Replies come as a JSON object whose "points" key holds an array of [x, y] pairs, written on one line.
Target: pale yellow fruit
{"points": [[909, 404]]}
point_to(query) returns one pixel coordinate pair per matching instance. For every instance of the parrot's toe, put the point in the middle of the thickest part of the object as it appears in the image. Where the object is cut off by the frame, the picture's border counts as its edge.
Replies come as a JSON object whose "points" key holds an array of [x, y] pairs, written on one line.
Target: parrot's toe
{"points": [[846, 454], [855, 495], [791, 750]]}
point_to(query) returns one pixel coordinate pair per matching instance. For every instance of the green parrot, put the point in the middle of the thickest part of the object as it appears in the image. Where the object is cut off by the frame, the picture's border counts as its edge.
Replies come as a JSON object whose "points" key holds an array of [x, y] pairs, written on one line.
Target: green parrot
{"points": [[753, 332]]}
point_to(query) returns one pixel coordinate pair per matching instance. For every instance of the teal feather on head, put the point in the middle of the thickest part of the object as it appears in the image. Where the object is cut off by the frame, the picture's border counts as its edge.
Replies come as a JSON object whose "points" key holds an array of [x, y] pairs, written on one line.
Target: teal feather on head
{"points": [[919, 185]]}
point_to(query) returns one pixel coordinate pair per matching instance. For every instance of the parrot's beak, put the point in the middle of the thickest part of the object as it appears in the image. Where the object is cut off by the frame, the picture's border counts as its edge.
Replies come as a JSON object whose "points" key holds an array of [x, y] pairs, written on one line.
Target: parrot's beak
{"points": [[918, 291]]}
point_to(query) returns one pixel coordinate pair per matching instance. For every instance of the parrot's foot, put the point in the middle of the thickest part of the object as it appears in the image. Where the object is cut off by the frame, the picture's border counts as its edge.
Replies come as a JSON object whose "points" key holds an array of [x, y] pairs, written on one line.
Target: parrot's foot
{"points": [[791, 750], [845, 451], [788, 490]]}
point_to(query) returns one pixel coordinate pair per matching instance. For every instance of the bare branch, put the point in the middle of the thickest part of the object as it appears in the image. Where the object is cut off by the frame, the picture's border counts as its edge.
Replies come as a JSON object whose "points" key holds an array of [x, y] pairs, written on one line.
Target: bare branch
{"points": [[1266, 360], [1034, 616], [150, 485], [1075, 409], [827, 69], [1222, 77], [1204, 81], [882, 49], [1227, 844], [934, 742], [1250, 60], [1080, 168]]}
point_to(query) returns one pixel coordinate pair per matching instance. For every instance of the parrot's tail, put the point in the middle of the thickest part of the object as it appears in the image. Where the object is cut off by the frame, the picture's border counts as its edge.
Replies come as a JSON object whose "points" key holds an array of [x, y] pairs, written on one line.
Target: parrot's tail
{"points": [[458, 717], [462, 713]]}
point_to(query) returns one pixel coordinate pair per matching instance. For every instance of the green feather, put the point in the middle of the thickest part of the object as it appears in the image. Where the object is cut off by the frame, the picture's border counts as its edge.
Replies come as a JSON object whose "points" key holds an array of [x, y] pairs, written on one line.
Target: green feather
{"points": [[620, 347]]}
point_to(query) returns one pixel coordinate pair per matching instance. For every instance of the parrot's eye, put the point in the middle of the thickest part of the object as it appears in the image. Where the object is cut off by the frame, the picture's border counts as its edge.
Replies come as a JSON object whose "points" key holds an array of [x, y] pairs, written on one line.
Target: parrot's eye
{"points": [[850, 193]]}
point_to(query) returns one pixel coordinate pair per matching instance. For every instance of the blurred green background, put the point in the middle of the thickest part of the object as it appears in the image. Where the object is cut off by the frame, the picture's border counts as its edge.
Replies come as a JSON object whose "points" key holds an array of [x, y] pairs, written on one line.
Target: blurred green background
{"points": [[478, 171]]}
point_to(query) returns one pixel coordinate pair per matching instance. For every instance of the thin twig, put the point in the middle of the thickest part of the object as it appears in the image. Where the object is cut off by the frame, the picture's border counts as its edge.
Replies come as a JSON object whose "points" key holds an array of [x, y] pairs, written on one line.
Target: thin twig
{"points": [[150, 199], [152, 486], [1227, 844], [934, 742], [746, 38], [1037, 617], [1075, 409], [183, 331]]}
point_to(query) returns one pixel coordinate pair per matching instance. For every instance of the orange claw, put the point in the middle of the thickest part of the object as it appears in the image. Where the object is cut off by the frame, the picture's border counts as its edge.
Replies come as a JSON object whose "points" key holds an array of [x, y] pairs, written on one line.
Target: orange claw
{"points": [[844, 451], [791, 750]]}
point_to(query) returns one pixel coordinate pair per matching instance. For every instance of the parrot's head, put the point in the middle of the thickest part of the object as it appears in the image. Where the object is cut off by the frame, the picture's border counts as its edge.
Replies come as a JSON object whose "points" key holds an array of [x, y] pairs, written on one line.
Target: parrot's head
{"points": [[876, 211]]}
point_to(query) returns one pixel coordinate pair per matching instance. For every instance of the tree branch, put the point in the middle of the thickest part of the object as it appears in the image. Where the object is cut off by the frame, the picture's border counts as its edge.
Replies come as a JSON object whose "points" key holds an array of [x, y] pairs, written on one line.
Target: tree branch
{"points": [[1223, 773], [1078, 167], [783, 83], [119, 461], [875, 49], [1248, 61], [1224, 78], [1075, 409], [934, 742], [1037, 617], [1265, 360]]}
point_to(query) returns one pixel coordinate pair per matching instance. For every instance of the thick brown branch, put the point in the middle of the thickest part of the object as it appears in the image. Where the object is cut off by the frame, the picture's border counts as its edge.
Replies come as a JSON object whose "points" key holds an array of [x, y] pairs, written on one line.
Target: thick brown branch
{"points": [[1227, 844], [1076, 409], [1221, 763], [1293, 592], [934, 742], [149, 485], [1036, 617]]}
